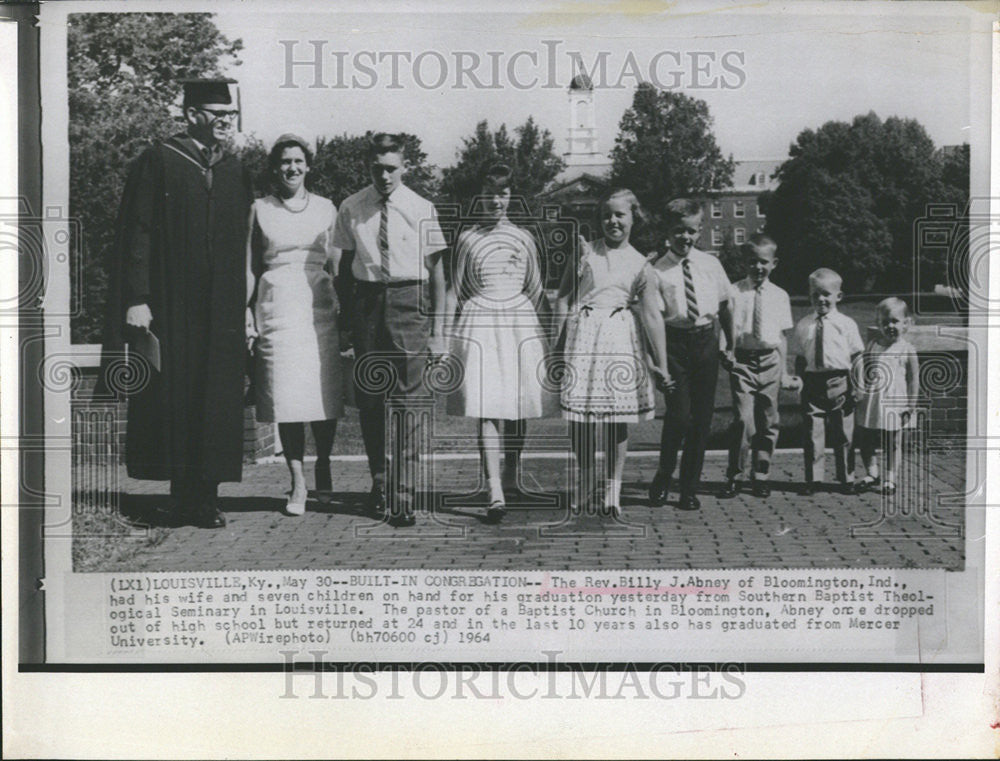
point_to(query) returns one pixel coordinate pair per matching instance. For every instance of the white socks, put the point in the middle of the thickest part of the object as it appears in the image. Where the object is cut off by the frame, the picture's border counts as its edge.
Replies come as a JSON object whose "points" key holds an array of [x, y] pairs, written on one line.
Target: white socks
{"points": [[612, 492]]}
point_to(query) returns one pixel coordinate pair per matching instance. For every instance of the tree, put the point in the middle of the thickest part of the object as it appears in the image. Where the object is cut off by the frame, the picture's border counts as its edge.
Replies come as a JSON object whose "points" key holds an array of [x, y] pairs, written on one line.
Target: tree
{"points": [[122, 82], [340, 167], [530, 154], [848, 197], [665, 149]]}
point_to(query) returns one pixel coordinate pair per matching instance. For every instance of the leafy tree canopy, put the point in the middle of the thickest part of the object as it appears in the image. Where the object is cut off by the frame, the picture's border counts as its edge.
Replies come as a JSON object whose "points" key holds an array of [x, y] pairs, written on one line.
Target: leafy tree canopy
{"points": [[530, 152], [849, 196], [122, 75], [666, 149]]}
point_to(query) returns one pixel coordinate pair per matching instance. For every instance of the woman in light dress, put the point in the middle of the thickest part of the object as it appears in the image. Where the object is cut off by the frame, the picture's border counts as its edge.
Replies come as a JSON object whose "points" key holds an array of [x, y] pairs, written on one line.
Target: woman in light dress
{"points": [[293, 317], [497, 336]]}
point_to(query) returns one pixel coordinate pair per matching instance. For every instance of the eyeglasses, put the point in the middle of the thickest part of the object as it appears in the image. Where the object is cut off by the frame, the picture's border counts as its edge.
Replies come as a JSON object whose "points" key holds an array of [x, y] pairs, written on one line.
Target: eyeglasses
{"points": [[219, 115]]}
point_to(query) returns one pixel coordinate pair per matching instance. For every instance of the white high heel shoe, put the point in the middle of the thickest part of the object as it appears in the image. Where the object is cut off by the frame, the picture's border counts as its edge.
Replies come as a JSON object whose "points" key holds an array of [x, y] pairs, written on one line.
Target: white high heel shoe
{"points": [[295, 508]]}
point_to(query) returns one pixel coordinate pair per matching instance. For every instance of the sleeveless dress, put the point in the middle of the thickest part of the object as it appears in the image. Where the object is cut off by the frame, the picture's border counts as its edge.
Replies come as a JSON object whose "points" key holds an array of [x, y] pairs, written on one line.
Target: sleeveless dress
{"points": [[885, 397], [604, 372], [497, 337], [298, 372]]}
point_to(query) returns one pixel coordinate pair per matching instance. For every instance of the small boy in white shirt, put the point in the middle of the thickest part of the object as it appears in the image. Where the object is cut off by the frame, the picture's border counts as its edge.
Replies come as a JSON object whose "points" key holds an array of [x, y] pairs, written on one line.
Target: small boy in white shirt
{"points": [[828, 343], [762, 314]]}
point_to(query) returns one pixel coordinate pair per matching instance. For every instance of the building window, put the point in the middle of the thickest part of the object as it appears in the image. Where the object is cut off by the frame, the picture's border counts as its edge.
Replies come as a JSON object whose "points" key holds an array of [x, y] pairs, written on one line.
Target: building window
{"points": [[760, 211], [738, 209], [716, 236], [739, 235], [761, 178], [716, 209]]}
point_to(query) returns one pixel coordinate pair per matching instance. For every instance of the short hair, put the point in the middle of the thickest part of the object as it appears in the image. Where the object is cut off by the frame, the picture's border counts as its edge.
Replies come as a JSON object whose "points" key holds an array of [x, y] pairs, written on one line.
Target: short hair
{"points": [[758, 242], [638, 214], [287, 141], [680, 208], [825, 275], [887, 305], [496, 175], [384, 142]]}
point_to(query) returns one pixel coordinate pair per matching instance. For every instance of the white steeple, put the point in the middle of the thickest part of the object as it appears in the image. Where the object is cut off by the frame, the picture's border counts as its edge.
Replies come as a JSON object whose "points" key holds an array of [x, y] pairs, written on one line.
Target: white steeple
{"points": [[582, 137]]}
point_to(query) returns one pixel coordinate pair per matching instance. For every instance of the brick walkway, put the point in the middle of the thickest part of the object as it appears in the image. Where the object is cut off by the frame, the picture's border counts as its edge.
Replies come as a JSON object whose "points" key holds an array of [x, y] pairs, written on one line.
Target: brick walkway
{"points": [[786, 531]]}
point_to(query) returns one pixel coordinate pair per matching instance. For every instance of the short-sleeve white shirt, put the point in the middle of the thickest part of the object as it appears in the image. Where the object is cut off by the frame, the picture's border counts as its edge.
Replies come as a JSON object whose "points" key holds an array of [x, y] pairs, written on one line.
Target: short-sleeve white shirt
{"points": [[776, 316], [711, 287], [841, 341], [413, 230]]}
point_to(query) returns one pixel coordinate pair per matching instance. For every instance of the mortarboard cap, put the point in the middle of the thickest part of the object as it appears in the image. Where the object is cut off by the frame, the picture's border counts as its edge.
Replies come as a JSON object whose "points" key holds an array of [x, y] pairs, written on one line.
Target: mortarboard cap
{"points": [[198, 92]]}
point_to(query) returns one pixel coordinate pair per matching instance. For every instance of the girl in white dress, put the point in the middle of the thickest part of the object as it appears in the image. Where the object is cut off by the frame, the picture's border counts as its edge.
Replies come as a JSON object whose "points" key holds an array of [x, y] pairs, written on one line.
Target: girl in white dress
{"points": [[497, 337], [290, 258], [887, 380], [606, 380]]}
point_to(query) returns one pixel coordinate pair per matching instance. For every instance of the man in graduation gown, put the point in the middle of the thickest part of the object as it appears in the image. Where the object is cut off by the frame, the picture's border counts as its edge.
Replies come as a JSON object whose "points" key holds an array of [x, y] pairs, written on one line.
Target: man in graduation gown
{"points": [[178, 272]]}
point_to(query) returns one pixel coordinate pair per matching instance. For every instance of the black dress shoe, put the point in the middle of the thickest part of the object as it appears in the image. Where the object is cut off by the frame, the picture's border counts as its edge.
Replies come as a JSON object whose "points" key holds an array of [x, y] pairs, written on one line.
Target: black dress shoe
{"points": [[174, 516], [403, 519], [496, 512], [209, 517], [376, 499], [659, 489], [323, 480], [731, 489], [688, 502], [761, 489]]}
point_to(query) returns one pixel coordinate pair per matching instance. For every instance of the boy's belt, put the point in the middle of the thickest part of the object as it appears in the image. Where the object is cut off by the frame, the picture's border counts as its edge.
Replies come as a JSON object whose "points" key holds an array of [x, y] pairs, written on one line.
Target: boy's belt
{"points": [[754, 353], [378, 286], [694, 329]]}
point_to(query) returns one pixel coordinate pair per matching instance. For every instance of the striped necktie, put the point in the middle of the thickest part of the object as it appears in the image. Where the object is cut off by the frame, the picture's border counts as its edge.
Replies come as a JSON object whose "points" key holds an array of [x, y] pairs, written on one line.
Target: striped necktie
{"points": [[758, 312], [818, 358], [689, 293], [383, 238]]}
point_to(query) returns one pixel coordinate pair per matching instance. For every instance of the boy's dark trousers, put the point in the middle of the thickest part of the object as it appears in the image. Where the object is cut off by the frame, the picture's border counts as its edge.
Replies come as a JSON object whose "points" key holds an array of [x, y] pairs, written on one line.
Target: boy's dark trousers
{"points": [[693, 362], [827, 403], [391, 331], [754, 381]]}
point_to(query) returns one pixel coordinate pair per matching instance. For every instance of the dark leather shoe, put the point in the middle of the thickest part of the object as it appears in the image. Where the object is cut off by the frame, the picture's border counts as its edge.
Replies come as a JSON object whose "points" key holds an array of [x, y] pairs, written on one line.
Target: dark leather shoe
{"points": [[496, 512], [404, 519], [376, 498], [658, 489], [210, 517], [731, 489], [688, 502], [323, 480], [174, 516], [761, 489]]}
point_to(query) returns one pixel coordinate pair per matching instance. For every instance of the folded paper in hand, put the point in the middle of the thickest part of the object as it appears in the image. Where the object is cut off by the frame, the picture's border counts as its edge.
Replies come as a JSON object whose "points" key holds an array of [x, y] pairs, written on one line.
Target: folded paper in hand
{"points": [[147, 345]]}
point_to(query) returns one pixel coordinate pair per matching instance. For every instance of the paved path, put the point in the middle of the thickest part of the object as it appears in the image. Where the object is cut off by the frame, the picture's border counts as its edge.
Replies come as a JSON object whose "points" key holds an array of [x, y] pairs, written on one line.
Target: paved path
{"points": [[787, 530]]}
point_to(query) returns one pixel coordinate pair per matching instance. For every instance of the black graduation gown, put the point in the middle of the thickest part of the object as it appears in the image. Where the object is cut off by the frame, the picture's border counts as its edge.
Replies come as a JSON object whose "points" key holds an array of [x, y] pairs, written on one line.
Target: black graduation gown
{"points": [[180, 247]]}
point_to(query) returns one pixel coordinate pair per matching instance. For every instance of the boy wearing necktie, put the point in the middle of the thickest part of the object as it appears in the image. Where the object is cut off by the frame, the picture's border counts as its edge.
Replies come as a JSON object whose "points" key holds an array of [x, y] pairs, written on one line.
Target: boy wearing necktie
{"points": [[762, 314], [828, 343], [696, 295], [393, 293]]}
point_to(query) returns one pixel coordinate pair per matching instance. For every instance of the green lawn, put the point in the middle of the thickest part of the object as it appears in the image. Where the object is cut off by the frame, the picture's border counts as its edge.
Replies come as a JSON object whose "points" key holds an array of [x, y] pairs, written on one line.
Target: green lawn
{"points": [[456, 434]]}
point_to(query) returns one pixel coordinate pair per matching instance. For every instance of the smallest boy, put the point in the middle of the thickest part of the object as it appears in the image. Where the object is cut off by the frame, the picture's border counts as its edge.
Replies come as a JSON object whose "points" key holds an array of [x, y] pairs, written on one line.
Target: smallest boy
{"points": [[762, 314], [828, 343]]}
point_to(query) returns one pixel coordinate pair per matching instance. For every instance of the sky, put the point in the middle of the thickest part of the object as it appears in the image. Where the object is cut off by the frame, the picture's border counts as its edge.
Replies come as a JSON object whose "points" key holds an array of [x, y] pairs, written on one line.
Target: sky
{"points": [[766, 76]]}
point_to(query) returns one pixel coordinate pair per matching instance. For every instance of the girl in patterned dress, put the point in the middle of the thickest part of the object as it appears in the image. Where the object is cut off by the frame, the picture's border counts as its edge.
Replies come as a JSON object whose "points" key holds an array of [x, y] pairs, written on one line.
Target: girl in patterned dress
{"points": [[606, 382], [497, 337], [888, 381]]}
